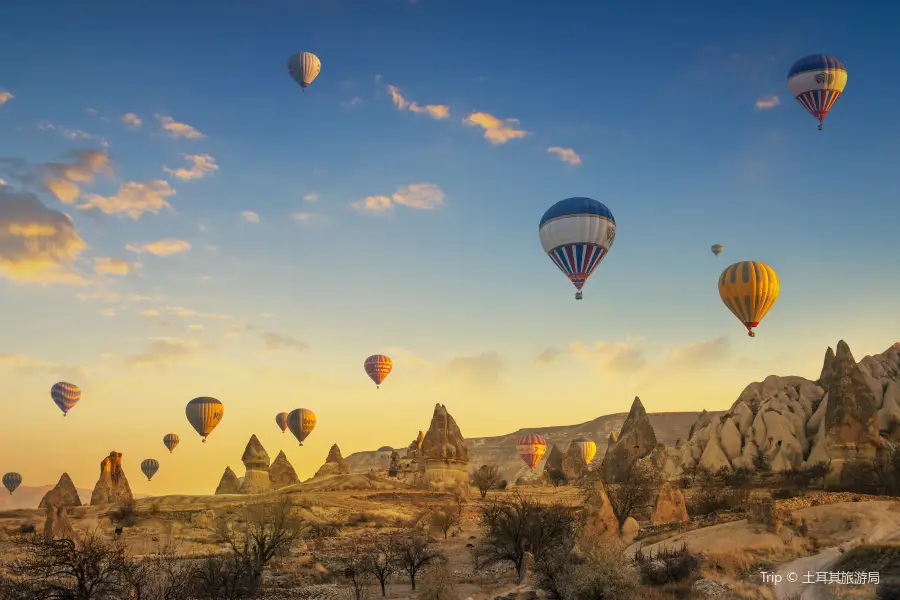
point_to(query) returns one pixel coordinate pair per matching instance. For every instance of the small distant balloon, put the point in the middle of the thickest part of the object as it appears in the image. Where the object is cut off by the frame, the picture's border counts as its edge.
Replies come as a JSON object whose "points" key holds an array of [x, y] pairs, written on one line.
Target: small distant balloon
{"points": [[304, 67], [716, 249], [11, 481], [301, 422], [204, 414], [149, 466], [377, 367], [65, 395], [171, 440], [281, 419], [749, 289], [531, 449]]}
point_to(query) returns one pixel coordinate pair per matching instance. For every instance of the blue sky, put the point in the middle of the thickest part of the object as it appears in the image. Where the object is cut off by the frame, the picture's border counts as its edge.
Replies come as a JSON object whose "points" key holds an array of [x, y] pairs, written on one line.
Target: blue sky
{"points": [[669, 109]]}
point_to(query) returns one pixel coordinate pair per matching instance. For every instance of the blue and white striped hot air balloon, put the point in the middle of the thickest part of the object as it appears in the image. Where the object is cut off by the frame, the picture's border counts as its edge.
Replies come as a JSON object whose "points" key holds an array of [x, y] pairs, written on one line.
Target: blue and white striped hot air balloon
{"points": [[816, 81], [577, 233]]}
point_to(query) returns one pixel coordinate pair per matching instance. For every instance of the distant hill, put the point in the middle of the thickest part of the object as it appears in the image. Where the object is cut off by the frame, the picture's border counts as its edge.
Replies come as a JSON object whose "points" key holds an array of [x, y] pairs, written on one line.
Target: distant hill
{"points": [[501, 450], [29, 496]]}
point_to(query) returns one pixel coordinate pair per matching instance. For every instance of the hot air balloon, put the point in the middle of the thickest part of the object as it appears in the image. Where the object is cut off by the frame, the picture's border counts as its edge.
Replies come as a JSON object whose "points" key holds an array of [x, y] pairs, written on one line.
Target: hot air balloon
{"points": [[377, 368], [281, 419], [11, 481], [204, 414], [716, 249], [587, 447], [304, 67], [577, 233], [816, 81], [171, 440], [65, 395], [749, 289], [301, 422], [149, 466], [531, 448]]}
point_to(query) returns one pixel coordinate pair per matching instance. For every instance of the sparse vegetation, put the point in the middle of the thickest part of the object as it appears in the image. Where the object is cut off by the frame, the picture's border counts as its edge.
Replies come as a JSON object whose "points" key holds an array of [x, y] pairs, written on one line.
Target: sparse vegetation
{"points": [[445, 518], [486, 478], [413, 552], [124, 515], [381, 561], [354, 571], [719, 491], [667, 565], [803, 478], [438, 583], [633, 492], [599, 572], [519, 526]]}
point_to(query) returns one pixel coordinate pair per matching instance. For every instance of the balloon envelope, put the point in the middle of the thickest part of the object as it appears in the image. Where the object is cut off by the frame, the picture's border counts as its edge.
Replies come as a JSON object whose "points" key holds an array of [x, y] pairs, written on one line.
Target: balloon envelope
{"points": [[204, 414], [149, 466], [65, 395], [587, 447], [577, 233], [171, 440], [11, 481], [531, 449], [377, 367], [749, 289], [301, 422], [304, 67], [281, 420], [816, 81], [716, 249]]}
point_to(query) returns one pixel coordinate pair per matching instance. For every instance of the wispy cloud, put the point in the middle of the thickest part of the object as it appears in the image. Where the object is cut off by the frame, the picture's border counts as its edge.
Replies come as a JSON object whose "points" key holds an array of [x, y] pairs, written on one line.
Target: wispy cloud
{"points": [[166, 247], [5, 96], [37, 244], [162, 352], [178, 130], [27, 365], [565, 154], [201, 165], [131, 120], [435, 111], [64, 179], [421, 196], [311, 197], [65, 132], [484, 368], [548, 355], [114, 266], [250, 216], [181, 311], [698, 354], [133, 199], [308, 218], [355, 101], [767, 103], [622, 357], [496, 131], [276, 342]]}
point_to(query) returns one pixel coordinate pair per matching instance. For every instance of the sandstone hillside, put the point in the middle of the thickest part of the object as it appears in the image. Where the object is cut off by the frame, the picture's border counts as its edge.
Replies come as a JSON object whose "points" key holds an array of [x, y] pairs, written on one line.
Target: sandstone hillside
{"points": [[29, 496]]}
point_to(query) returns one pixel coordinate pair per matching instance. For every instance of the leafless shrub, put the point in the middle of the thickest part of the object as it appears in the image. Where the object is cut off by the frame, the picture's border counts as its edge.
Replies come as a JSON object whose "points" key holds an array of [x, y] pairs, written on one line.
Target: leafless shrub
{"points": [[438, 584], [412, 553], [486, 478]]}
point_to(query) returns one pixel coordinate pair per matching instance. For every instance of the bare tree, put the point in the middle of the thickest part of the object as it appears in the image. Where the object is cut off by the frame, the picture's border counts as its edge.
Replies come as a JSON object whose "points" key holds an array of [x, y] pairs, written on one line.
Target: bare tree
{"points": [[486, 478], [265, 531], [438, 584], [519, 526], [460, 497], [381, 561], [445, 518], [162, 576], [634, 490], [413, 552], [353, 570], [87, 568], [225, 577]]}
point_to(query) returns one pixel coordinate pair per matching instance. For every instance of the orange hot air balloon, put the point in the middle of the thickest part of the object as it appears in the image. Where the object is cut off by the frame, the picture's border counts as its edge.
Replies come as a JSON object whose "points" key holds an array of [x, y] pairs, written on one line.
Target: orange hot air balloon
{"points": [[531, 449], [204, 414], [377, 368], [281, 419], [171, 440], [301, 422]]}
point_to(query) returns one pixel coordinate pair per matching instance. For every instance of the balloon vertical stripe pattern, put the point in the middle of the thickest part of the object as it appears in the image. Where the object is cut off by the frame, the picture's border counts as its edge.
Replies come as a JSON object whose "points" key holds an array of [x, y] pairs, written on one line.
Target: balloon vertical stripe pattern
{"points": [[65, 396], [204, 414], [531, 449], [170, 440], [587, 448], [816, 81], [281, 421], [11, 481], [378, 366], [749, 289], [301, 422], [149, 467], [304, 67]]}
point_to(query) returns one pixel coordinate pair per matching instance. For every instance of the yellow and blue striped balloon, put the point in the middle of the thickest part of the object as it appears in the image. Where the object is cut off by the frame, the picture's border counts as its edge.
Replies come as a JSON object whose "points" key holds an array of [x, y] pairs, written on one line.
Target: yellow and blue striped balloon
{"points": [[11, 481], [749, 289], [204, 414]]}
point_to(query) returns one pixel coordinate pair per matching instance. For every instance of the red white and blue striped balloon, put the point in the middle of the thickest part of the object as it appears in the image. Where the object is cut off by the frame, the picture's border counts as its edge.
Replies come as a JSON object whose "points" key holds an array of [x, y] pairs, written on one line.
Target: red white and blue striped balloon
{"points": [[816, 81], [577, 233], [65, 395]]}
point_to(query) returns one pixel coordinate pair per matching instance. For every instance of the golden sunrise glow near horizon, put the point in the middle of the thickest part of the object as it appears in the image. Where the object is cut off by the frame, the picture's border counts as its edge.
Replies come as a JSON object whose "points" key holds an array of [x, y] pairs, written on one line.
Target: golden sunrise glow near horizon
{"points": [[169, 230]]}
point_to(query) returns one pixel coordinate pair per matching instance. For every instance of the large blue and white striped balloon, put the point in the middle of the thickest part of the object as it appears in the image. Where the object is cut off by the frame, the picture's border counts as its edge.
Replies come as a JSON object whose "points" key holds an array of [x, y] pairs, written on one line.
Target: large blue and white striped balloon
{"points": [[816, 81], [577, 233]]}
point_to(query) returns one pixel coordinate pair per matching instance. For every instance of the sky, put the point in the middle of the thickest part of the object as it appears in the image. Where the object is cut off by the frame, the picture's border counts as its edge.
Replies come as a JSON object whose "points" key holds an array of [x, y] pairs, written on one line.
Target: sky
{"points": [[180, 220]]}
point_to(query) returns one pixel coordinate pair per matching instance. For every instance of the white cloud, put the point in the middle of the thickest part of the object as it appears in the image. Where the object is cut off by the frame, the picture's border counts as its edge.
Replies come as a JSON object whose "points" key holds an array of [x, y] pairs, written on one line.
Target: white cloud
{"points": [[177, 129], [131, 120], [250, 216], [623, 357], [311, 197], [201, 165], [69, 134], [565, 154], [5, 96], [356, 100], [496, 131], [421, 196], [435, 111], [64, 179], [768, 103], [133, 199], [113, 266], [166, 247]]}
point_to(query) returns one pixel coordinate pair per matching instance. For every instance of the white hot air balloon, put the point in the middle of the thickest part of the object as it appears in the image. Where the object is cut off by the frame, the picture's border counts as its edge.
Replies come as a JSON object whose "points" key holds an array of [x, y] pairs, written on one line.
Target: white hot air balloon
{"points": [[304, 67]]}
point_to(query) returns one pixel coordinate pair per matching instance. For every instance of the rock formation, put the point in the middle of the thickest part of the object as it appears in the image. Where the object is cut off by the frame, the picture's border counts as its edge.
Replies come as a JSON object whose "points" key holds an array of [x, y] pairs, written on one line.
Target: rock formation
{"points": [[553, 464], [573, 466], [394, 467], [791, 422], [229, 484], [444, 451], [62, 494], [112, 486], [636, 440], [334, 463], [57, 525], [282, 473], [415, 447], [670, 506], [611, 441], [600, 520], [256, 460], [630, 530]]}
